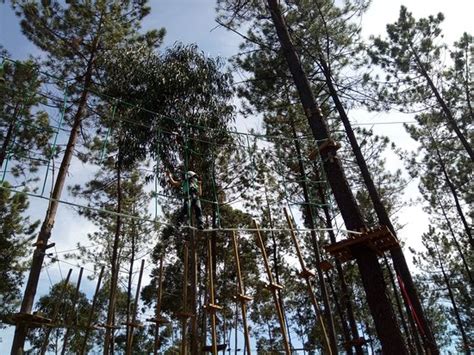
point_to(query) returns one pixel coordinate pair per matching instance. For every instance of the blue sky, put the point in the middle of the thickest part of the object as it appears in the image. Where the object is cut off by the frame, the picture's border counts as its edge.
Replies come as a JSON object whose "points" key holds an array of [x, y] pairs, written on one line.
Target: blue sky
{"points": [[192, 21]]}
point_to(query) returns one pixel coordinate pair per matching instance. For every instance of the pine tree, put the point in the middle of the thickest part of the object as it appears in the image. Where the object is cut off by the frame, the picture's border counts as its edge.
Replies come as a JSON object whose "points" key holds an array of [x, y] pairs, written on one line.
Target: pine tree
{"points": [[25, 130], [16, 231], [55, 305], [411, 56], [77, 37], [344, 197]]}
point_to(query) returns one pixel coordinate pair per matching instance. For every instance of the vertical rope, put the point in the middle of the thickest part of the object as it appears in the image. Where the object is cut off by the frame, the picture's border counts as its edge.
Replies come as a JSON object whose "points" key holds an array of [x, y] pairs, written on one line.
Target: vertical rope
{"points": [[158, 148], [186, 182], [53, 148], [104, 146]]}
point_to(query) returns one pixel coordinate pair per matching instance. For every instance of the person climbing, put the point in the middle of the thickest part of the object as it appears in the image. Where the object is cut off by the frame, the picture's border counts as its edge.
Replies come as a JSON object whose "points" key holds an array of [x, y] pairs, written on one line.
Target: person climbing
{"points": [[191, 188]]}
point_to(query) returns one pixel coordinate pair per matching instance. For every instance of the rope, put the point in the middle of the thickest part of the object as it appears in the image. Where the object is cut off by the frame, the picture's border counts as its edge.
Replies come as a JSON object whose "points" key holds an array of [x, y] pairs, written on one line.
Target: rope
{"points": [[53, 148], [104, 146]]}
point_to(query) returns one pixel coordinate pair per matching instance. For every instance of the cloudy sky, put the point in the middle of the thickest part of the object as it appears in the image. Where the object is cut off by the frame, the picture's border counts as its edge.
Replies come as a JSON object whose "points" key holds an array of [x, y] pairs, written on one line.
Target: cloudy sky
{"points": [[192, 21]]}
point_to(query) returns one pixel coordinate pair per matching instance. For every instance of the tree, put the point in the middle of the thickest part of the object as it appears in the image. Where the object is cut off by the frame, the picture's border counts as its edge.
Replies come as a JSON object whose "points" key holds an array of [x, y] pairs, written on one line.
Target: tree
{"points": [[439, 270], [25, 131], [411, 57], [326, 38], [16, 231], [77, 37], [55, 305], [388, 331]]}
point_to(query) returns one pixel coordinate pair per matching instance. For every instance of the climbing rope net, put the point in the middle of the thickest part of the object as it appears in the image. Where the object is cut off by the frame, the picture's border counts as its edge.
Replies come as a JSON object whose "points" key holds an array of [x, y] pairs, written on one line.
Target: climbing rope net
{"points": [[37, 182]]}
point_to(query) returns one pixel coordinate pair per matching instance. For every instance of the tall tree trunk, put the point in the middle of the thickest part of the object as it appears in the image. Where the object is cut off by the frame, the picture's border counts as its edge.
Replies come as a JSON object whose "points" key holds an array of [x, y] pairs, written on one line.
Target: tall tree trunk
{"points": [[370, 270], [49, 219], [194, 339], [398, 258], [115, 266]]}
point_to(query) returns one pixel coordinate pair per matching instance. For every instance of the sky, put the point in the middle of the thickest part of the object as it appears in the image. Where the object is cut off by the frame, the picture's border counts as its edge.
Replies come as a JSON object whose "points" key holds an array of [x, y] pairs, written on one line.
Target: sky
{"points": [[192, 21]]}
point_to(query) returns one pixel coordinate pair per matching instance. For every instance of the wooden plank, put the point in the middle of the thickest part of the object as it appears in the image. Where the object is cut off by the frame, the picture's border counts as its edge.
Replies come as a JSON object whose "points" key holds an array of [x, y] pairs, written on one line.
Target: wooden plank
{"points": [[379, 240]]}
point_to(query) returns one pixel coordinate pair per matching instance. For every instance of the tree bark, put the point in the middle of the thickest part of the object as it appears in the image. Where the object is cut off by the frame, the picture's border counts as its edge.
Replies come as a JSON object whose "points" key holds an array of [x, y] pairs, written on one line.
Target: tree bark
{"points": [[340, 272], [370, 270], [398, 258]]}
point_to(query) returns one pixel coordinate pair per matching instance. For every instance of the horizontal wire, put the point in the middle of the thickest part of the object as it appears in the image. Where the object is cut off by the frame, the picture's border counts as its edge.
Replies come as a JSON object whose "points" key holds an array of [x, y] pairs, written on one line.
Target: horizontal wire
{"points": [[142, 219]]}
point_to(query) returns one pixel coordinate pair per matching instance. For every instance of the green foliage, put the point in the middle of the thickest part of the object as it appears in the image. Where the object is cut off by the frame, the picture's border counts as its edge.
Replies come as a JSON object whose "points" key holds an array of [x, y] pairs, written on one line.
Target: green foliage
{"points": [[58, 305], [16, 231], [442, 273], [24, 130]]}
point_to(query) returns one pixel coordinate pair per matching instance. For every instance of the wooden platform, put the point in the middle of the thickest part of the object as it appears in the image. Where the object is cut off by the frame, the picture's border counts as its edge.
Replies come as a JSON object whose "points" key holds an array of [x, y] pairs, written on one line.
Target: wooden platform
{"points": [[34, 320], [213, 307], [379, 240]]}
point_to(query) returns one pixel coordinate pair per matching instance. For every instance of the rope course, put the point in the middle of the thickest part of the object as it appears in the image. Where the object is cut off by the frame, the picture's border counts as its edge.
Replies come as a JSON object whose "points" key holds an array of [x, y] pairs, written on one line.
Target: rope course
{"points": [[189, 137]]}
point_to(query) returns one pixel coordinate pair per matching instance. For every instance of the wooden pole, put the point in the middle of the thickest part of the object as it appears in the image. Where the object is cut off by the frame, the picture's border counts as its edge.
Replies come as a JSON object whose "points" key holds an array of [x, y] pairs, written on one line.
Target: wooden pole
{"points": [[184, 314], [211, 306], [133, 325], [307, 274], [159, 295], [194, 283], [129, 288], [272, 286], [241, 297], [91, 313], [73, 310], [55, 313]]}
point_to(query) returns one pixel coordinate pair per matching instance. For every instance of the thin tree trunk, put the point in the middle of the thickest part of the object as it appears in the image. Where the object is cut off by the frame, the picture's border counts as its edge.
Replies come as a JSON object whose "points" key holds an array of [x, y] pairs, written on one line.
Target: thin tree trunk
{"points": [[115, 266], [276, 266], [194, 304], [465, 339], [454, 193], [129, 289], [398, 258], [370, 270], [49, 219], [456, 243]]}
